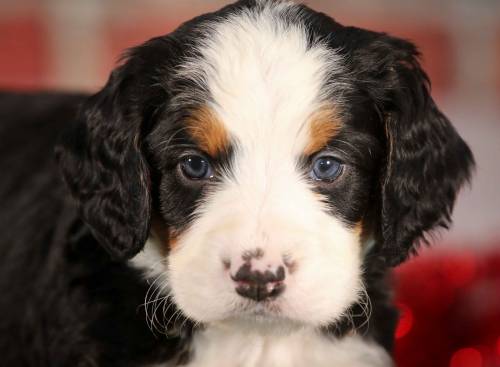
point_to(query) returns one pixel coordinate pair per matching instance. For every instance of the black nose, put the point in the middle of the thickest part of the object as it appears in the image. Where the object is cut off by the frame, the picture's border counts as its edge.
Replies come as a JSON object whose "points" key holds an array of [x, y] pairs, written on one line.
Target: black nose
{"points": [[258, 285]]}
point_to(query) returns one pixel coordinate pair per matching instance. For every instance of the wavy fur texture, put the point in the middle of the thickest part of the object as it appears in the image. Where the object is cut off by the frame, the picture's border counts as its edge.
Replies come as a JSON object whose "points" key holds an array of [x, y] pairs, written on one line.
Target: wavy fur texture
{"points": [[88, 179]]}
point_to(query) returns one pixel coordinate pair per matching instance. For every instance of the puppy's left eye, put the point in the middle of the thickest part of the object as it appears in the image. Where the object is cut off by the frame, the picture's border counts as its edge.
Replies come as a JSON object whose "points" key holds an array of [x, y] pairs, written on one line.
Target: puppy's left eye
{"points": [[326, 168], [196, 167]]}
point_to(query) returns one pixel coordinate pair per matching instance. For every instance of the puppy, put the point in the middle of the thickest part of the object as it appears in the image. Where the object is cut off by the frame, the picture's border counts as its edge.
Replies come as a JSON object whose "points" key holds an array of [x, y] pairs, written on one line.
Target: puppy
{"points": [[236, 195]]}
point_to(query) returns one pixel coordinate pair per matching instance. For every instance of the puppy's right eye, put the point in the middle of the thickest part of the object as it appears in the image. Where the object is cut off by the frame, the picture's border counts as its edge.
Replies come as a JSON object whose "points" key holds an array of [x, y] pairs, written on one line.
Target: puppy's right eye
{"points": [[196, 167]]}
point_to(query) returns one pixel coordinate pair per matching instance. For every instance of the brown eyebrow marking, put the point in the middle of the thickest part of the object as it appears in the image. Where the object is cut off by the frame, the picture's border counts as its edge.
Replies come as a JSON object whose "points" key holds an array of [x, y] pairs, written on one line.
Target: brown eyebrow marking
{"points": [[324, 124], [208, 131]]}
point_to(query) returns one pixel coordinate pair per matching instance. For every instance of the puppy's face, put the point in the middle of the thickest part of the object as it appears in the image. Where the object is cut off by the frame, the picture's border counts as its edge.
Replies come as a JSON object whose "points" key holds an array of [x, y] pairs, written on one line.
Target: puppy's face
{"points": [[271, 143], [265, 178]]}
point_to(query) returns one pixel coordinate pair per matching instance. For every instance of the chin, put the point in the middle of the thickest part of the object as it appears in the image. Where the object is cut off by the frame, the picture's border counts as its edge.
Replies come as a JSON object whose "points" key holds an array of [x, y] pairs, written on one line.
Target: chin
{"points": [[243, 185]]}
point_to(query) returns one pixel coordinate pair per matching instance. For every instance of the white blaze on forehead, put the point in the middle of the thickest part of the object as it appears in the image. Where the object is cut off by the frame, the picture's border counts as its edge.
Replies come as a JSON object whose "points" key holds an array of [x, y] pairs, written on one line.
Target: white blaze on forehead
{"points": [[264, 78]]}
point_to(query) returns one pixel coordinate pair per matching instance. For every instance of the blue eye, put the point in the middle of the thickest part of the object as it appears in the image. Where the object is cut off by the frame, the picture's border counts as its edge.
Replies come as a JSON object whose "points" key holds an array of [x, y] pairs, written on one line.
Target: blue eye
{"points": [[326, 168], [196, 167]]}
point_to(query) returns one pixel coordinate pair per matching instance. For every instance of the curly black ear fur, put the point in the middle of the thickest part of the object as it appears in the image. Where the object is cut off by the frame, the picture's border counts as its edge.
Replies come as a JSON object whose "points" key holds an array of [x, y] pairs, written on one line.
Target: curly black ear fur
{"points": [[102, 163], [426, 161]]}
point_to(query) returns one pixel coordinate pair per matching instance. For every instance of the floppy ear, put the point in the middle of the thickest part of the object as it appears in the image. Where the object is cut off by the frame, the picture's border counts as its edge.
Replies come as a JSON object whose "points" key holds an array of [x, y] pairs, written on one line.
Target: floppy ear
{"points": [[426, 160], [102, 163]]}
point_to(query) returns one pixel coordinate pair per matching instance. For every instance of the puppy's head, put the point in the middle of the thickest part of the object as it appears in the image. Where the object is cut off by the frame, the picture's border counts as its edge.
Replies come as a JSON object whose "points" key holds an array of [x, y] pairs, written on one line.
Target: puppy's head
{"points": [[275, 148]]}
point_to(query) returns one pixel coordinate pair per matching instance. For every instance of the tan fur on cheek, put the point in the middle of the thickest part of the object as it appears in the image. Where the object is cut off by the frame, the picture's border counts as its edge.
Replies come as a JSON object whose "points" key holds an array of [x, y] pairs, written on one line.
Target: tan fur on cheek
{"points": [[364, 232], [208, 131], [173, 241], [167, 239], [324, 124], [358, 229]]}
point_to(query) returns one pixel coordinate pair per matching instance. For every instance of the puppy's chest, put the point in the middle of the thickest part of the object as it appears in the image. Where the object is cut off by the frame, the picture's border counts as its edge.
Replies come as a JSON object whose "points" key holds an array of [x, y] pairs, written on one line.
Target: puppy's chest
{"points": [[221, 348]]}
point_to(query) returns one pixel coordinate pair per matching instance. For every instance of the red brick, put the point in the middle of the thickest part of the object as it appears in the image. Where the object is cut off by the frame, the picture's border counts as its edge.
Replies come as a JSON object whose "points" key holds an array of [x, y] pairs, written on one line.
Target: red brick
{"points": [[24, 52]]}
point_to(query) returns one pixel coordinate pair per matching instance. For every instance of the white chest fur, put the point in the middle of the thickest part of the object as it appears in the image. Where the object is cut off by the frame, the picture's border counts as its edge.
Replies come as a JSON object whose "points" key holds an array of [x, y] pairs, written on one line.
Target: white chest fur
{"points": [[219, 347]]}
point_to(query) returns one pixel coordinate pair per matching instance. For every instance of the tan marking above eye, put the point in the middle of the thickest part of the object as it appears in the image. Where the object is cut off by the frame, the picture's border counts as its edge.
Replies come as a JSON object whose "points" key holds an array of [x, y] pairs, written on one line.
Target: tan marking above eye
{"points": [[208, 131], [324, 124]]}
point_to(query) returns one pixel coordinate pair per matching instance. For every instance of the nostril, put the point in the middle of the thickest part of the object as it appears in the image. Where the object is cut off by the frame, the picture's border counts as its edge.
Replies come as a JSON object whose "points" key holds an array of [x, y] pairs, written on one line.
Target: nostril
{"points": [[244, 274]]}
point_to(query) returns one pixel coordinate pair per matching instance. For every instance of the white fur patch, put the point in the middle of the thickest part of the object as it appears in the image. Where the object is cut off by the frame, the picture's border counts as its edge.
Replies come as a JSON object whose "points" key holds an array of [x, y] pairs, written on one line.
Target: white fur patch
{"points": [[150, 259], [217, 347]]}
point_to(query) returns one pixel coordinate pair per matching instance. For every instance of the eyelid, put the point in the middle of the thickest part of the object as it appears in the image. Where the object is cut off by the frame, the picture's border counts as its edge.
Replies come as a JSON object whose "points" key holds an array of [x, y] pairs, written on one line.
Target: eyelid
{"points": [[327, 153], [194, 152]]}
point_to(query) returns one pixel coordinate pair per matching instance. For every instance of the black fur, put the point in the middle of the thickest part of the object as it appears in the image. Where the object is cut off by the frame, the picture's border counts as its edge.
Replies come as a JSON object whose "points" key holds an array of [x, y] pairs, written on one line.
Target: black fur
{"points": [[67, 302], [426, 160]]}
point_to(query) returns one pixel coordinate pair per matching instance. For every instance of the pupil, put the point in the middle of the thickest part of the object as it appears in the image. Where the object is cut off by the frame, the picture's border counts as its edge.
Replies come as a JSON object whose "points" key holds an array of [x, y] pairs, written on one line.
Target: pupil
{"points": [[325, 165], [196, 164]]}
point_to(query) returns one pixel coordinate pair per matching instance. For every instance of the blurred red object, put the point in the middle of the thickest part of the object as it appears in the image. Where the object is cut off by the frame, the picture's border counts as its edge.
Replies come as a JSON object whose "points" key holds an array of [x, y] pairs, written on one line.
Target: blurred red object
{"points": [[450, 310], [25, 52]]}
